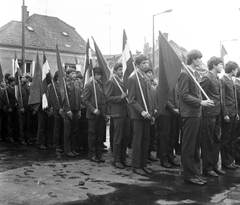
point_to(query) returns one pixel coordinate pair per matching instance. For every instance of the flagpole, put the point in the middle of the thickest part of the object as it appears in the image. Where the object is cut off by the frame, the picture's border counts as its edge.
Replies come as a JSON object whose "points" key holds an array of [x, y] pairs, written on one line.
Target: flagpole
{"points": [[20, 89], [195, 81], [5, 89], [55, 91], [65, 88], [144, 101], [94, 89], [119, 86]]}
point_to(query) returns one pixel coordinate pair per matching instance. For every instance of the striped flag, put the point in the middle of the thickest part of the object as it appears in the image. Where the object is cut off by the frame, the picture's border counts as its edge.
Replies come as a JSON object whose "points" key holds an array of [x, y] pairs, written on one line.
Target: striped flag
{"points": [[17, 74], [127, 60], [87, 64], [46, 80]]}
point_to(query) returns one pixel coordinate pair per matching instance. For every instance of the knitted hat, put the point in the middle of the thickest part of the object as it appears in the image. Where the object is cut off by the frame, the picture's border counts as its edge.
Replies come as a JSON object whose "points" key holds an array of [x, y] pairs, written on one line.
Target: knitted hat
{"points": [[69, 70]]}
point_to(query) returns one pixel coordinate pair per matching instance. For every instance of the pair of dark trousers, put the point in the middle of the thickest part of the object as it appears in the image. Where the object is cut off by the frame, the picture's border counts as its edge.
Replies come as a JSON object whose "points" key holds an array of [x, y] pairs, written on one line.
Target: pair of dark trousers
{"points": [[96, 132], [42, 127], [163, 124], [70, 131], [211, 137], [12, 124], [140, 145], [120, 140], [24, 124], [58, 131], [191, 146], [227, 141]]}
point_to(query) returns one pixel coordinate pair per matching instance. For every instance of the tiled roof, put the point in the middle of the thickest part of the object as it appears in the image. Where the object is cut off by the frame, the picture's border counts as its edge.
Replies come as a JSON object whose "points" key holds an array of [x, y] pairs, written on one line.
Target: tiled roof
{"points": [[47, 32]]}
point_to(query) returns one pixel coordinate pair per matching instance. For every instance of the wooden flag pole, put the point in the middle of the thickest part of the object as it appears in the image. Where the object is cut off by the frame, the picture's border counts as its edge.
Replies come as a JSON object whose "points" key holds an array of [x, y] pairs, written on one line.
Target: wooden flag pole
{"points": [[119, 86], [144, 101], [5, 89], [94, 90], [195, 81], [55, 91], [20, 89], [65, 88]]}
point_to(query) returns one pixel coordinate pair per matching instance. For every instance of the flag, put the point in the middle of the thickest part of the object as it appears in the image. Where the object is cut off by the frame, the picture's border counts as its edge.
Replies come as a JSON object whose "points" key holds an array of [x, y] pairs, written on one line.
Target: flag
{"points": [[61, 75], [46, 80], [1, 74], [127, 60], [169, 70], [17, 74], [223, 52], [35, 96], [102, 64], [87, 64]]}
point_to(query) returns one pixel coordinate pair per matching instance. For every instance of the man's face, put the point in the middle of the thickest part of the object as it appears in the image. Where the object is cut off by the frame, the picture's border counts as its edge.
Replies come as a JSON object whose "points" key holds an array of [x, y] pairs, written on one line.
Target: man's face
{"points": [[143, 65], [72, 75], [219, 67], [234, 72], [119, 72], [12, 83], [97, 77], [197, 62]]}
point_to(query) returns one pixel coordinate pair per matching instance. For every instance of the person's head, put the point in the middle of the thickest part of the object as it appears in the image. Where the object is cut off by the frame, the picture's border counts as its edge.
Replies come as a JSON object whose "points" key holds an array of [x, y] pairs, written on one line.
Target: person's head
{"points": [[71, 73], [55, 77], [141, 62], [194, 58], [149, 73], [97, 72], [118, 69], [231, 67], [26, 77], [238, 73], [7, 75], [11, 80], [79, 76], [215, 63]]}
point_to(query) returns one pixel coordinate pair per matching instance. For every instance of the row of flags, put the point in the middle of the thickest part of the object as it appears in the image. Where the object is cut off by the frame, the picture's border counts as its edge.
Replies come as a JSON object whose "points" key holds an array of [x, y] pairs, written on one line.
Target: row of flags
{"points": [[170, 67]]}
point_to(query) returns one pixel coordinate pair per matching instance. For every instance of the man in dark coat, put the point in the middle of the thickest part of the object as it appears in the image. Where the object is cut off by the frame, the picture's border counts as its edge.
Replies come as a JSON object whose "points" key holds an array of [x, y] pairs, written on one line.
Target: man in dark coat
{"points": [[230, 115], [142, 114], [211, 136], [96, 115], [118, 111], [191, 103]]}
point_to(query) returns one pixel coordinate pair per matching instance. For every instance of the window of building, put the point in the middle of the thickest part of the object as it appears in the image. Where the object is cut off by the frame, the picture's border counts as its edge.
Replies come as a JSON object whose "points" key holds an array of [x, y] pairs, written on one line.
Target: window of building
{"points": [[30, 28]]}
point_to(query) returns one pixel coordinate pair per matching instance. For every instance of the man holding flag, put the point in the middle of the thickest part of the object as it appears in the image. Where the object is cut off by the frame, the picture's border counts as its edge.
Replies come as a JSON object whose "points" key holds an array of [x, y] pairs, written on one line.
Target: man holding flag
{"points": [[142, 112], [191, 103]]}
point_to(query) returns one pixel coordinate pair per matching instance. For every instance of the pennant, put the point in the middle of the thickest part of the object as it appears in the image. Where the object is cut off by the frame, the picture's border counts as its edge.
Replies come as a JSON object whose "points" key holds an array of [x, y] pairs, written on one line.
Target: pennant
{"points": [[102, 64], [169, 70], [46, 80], [35, 96], [127, 60], [61, 75], [87, 64], [17, 74], [223, 52]]}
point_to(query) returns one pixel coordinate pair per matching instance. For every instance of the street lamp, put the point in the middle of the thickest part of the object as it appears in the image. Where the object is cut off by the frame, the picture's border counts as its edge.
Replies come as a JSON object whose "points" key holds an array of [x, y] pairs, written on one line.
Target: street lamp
{"points": [[167, 11], [225, 41]]}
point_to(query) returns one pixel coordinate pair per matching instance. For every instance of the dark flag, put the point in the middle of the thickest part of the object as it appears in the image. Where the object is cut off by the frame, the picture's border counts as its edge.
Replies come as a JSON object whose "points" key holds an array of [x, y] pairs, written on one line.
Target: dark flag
{"points": [[169, 70], [102, 64], [35, 96], [61, 75], [127, 60], [46, 80]]}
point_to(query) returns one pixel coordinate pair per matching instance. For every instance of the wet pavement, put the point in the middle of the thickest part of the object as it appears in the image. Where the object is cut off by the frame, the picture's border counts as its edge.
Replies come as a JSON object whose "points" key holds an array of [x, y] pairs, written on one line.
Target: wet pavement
{"points": [[32, 176]]}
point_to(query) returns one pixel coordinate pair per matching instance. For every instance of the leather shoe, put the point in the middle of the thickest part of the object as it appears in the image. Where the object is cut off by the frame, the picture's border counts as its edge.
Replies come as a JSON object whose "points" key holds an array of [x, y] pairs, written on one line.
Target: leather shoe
{"points": [[94, 159], [210, 174], [43, 147], [126, 164], [119, 165], [229, 166], [139, 171], [23, 142], [101, 159], [219, 171], [29, 142], [76, 153], [166, 165], [148, 171], [151, 158], [195, 181], [236, 166], [70, 154], [201, 178], [175, 163]]}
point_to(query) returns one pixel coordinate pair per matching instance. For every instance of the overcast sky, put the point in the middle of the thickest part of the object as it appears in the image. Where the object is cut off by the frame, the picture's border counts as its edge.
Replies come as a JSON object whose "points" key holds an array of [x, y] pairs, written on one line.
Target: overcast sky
{"points": [[191, 24]]}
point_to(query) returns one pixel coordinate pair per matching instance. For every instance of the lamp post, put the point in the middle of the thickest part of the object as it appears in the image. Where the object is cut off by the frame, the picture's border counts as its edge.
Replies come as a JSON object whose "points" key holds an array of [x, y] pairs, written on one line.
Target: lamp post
{"points": [[167, 11], [221, 45]]}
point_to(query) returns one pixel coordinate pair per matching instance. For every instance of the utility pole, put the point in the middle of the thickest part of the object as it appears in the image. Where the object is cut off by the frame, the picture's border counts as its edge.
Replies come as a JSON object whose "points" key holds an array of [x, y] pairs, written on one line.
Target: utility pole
{"points": [[23, 36]]}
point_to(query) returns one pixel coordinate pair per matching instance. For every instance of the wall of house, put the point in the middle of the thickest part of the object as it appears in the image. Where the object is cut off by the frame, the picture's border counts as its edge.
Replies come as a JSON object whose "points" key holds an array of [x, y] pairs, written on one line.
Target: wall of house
{"points": [[8, 54]]}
